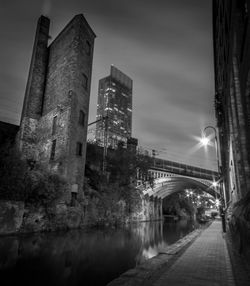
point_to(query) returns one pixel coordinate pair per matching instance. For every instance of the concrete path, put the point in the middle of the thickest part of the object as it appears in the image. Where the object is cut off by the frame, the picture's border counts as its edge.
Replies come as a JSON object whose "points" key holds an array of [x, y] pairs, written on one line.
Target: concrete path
{"points": [[205, 263]]}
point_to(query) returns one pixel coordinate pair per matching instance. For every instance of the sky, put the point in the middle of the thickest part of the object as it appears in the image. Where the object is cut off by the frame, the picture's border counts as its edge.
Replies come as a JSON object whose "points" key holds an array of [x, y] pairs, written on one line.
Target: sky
{"points": [[165, 46]]}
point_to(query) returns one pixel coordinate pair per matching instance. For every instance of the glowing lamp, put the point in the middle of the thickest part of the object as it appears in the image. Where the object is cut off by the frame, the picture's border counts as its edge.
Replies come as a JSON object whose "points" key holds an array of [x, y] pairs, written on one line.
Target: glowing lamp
{"points": [[204, 141]]}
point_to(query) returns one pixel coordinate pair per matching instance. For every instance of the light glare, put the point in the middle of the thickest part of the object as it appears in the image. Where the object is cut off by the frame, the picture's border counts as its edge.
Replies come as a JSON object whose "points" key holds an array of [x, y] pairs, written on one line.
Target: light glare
{"points": [[215, 184], [204, 141]]}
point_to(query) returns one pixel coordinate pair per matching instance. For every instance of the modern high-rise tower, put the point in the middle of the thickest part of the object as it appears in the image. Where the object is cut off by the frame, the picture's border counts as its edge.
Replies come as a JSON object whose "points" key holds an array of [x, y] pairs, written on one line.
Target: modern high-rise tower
{"points": [[114, 104]]}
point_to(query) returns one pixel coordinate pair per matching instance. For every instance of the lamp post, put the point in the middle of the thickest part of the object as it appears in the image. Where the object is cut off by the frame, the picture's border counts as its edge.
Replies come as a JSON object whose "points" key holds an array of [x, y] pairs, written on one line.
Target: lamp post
{"points": [[205, 140]]}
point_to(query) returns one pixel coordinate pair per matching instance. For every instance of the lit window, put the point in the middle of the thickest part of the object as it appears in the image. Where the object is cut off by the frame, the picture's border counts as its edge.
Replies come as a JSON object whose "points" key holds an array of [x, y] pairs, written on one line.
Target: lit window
{"points": [[79, 149], [54, 124], [53, 150], [81, 118]]}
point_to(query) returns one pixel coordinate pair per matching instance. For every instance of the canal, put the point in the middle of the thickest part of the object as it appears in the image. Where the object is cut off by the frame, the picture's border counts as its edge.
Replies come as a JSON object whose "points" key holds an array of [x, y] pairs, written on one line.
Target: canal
{"points": [[77, 257]]}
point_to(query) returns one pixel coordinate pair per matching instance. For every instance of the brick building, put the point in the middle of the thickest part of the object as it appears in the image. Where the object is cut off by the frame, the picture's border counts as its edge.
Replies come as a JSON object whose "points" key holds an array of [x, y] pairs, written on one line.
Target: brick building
{"points": [[231, 32], [53, 126]]}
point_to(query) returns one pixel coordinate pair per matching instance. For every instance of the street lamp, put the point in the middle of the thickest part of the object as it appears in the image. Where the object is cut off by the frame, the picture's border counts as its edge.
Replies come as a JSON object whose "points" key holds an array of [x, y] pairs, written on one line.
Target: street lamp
{"points": [[205, 141]]}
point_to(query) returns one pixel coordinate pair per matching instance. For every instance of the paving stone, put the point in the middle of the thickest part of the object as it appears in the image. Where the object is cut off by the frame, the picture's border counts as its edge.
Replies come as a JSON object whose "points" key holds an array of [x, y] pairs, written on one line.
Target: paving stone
{"points": [[205, 262]]}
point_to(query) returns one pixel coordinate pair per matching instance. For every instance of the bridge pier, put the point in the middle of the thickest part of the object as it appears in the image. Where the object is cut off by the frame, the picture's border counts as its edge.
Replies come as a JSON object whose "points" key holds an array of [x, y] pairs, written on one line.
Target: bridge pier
{"points": [[155, 208], [151, 208], [161, 210]]}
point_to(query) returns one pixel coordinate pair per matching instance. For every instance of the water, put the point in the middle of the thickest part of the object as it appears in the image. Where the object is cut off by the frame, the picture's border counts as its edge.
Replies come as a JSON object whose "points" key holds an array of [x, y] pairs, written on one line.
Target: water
{"points": [[78, 257]]}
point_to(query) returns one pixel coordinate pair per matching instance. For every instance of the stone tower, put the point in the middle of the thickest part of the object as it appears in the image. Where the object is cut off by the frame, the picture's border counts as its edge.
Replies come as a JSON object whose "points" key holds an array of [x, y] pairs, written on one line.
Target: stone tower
{"points": [[53, 127]]}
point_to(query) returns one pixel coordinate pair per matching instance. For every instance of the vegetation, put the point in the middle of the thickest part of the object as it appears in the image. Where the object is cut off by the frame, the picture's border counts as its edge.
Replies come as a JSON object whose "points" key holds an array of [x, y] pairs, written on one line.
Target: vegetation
{"points": [[27, 181], [178, 204], [118, 183]]}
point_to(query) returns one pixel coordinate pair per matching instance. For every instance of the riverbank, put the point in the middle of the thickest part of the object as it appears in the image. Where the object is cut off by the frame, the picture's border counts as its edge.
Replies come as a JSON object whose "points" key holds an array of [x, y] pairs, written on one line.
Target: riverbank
{"points": [[16, 217], [149, 270]]}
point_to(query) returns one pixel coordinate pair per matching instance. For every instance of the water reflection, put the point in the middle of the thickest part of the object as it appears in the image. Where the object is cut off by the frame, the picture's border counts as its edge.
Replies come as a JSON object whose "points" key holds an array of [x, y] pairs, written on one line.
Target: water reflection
{"points": [[83, 258], [157, 237]]}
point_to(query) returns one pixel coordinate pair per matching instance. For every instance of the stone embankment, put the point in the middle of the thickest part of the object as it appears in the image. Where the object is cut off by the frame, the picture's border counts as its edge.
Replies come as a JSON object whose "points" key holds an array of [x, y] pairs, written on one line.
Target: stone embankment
{"points": [[143, 273], [16, 217]]}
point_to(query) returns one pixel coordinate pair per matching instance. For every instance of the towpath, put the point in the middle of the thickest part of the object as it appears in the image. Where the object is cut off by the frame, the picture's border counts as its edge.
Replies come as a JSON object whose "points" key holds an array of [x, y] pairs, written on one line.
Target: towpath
{"points": [[206, 262]]}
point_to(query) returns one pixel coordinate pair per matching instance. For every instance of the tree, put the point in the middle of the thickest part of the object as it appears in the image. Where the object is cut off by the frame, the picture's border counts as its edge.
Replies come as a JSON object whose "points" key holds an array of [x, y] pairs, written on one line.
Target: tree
{"points": [[27, 181], [122, 167], [124, 164], [121, 163]]}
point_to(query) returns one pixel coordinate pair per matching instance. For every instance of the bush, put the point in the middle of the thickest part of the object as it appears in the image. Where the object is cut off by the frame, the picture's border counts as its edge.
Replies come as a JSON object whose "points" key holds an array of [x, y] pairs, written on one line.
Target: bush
{"points": [[27, 181], [45, 187]]}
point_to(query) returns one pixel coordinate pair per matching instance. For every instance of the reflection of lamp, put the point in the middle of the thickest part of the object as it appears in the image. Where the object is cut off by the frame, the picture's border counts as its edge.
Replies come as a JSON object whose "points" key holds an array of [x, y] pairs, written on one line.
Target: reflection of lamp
{"points": [[205, 141]]}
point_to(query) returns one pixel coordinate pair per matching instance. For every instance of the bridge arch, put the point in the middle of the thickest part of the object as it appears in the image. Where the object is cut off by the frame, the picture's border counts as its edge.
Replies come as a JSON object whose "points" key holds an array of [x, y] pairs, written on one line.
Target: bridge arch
{"points": [[173, 184]]}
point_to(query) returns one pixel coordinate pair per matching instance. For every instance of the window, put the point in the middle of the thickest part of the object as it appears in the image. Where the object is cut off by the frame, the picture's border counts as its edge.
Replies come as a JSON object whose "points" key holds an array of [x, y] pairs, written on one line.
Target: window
{"points": [[85, 81], [54, 125], [73, 199], [88, 48], [53, 150], [81, 118], [79, 149]]}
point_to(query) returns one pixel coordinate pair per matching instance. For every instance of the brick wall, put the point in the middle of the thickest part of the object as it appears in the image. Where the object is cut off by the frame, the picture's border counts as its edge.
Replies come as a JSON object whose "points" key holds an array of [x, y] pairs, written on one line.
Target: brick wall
{"points": [[232, 64], [60, 79], [33, 99]]}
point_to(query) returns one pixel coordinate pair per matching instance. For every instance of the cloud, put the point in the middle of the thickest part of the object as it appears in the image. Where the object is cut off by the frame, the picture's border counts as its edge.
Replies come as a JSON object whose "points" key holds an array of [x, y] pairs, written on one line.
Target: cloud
{"points": [[165, 46]]}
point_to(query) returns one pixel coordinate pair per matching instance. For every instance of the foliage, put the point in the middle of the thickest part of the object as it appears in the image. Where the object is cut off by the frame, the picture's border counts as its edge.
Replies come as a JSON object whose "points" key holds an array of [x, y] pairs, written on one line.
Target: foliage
{"points": [[175, 202], [200, 210], [119, 182], [13, 174], [45, 187], [26, 180], [187, 205], [123, 165], [94, 154], [131, 196], [93, 177]]}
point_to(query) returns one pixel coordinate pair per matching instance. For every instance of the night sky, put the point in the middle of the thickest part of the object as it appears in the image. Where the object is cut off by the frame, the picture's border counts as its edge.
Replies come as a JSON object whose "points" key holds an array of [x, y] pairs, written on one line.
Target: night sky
{"points": [[165, 46]]}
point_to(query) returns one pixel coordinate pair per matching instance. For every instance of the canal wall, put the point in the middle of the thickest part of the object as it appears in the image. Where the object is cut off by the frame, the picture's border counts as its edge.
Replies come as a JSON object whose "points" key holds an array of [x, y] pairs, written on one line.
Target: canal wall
{"points": [[16, 217]]}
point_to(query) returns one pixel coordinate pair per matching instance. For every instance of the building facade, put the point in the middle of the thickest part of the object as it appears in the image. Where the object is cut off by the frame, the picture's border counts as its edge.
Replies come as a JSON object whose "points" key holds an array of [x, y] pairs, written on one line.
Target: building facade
{"points": [[53, 126], [231, 33], [115, 108]]}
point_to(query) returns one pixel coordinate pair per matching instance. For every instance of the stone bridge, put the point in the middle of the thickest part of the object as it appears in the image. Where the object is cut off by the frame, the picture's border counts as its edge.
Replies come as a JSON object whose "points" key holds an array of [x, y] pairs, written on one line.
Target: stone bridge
{"points": [[171, 177]]}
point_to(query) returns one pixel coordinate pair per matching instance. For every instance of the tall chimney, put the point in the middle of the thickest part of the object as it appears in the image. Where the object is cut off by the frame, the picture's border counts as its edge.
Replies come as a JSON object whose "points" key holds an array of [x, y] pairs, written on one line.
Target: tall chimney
{"points": [[33, 99]]}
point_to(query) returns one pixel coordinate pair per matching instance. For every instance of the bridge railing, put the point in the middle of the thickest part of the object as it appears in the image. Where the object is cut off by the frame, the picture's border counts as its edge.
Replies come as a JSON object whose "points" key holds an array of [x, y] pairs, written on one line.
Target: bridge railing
{"points": [[182, 169]]}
